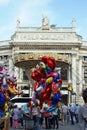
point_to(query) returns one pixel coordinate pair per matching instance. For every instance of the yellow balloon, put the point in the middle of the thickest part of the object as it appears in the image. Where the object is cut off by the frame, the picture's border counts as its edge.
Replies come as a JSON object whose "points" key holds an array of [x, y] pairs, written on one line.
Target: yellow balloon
{"points": [[38, 101], [59, 103], [7, 114], [32, 103], [6, 109], [11, 90], [49, 80]]}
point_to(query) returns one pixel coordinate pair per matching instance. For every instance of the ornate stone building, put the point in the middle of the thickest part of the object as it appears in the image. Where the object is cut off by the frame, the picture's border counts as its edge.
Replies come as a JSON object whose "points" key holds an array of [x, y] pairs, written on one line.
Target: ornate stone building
{"points": [[28, 44]]}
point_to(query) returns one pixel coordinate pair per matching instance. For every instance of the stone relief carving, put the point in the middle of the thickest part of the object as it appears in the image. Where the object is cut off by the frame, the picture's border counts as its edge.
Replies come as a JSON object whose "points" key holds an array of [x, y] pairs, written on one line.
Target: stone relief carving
{"points": [[46, 36]]}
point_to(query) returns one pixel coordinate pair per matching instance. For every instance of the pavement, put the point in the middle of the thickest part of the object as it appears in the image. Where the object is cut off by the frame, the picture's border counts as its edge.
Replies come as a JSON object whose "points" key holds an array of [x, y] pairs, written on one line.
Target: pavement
{"points": [[66, 127]]}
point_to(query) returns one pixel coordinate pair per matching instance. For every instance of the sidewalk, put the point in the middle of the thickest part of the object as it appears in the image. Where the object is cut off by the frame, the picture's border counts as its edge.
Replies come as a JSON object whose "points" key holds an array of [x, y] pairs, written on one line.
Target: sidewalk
{"points": [[67, 127]]}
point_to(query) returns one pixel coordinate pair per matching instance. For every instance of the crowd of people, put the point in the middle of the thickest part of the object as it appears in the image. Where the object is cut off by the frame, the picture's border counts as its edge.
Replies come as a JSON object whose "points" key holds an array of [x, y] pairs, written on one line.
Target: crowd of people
{"points": [[42, 119]]}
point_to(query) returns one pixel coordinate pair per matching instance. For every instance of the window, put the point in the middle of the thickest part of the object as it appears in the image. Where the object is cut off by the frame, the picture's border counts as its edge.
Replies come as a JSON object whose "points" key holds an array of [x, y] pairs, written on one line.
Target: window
{"points": [[85, 58], [25, 77], [85, 75], [63, 74]]}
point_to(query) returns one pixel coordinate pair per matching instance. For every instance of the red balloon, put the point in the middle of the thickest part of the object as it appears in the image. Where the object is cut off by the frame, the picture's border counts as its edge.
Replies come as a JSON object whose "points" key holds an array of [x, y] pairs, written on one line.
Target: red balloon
{"points": [[51, 62], [54, 88], [37, 74], [44, 97], [59, 81], [34, 76], [49, 102], [44, 59], [48, 90], [36, 86]]}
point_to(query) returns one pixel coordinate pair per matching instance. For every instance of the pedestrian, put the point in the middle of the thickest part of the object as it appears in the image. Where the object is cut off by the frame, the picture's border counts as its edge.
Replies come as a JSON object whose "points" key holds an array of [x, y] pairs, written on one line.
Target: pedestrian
{"points": [[15, 117], [72, 113], [55, 120], [77, 113], [20, 117], [68, 115], [26, 113], [46, 115], [83, 112], [64, 113], [36, 116], [11, 116]]}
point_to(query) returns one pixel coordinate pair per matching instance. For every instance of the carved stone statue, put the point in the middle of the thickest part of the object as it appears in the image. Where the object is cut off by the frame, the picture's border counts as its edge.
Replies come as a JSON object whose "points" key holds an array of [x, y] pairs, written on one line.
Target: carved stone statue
{"points": [[18, 22], [45, 23]]}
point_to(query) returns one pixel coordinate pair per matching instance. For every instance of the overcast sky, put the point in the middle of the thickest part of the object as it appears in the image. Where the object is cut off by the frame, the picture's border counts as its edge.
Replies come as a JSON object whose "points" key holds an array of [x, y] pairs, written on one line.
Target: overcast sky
{"points": [[30, 13]]}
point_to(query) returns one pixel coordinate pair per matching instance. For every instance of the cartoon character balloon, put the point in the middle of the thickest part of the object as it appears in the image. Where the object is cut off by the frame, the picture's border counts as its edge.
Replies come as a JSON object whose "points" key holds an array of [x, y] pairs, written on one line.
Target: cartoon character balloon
{"points": [[8, 89], [48, 81]]}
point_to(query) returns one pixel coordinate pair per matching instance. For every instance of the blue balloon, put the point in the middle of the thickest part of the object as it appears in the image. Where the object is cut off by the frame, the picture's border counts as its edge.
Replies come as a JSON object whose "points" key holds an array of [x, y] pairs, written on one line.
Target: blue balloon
{"points": [[56, 99], [55, 79], [2, 113], [36, 94], [48, 69], [52, 108], [2, 99]]}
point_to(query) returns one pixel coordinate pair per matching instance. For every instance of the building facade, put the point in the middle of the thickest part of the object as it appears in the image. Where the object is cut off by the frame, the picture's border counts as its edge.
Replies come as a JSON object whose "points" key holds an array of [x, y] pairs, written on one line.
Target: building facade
{"points": [[28, 44]]}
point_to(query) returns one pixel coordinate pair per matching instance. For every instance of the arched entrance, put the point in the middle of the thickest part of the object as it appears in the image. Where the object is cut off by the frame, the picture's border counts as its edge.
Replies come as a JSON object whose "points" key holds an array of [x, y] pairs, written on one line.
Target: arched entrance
{"points": [[28, 63]]}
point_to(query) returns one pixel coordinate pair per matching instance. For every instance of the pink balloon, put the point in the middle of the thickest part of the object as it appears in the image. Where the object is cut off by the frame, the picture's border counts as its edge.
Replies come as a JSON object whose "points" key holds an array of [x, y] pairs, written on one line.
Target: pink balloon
{"points": [[55, 74]]}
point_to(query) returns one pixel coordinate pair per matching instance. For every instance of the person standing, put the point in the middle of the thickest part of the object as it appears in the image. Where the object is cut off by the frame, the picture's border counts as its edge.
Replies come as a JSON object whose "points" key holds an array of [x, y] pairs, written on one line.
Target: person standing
{"points": [[36, 116], [15, 117], [11, 120], [77, 113], [83, 112], [72, 113], [55, 114], [64, 113], [20, 117], [26, 113]]}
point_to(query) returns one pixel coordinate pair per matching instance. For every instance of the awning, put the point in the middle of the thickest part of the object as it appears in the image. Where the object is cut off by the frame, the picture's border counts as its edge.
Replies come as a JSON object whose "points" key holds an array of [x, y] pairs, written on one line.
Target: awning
{"points": [[20, 99]]}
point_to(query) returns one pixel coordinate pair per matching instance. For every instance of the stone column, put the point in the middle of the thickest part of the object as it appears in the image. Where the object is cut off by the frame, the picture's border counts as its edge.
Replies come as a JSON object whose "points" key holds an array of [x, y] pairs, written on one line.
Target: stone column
{"points": [[80, 74], [69, 74], [69, 82], [74, 74], [30, 81], [17, 73], [11, 66], [21, 74]]}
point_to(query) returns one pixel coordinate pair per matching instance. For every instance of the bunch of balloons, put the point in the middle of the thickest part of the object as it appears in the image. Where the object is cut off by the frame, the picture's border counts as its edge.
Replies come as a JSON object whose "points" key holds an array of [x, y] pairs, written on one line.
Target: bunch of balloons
{"points": [[47, 81], [8, 89]]}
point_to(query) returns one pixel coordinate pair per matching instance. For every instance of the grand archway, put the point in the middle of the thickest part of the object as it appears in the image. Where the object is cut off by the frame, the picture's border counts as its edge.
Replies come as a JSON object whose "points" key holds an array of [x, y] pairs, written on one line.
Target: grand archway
{"points": [[30, 60]]}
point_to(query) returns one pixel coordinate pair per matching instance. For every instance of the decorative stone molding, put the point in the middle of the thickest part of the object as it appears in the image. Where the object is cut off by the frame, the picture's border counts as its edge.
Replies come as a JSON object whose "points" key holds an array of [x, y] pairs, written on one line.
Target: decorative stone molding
{"points": [[38, 36]]}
